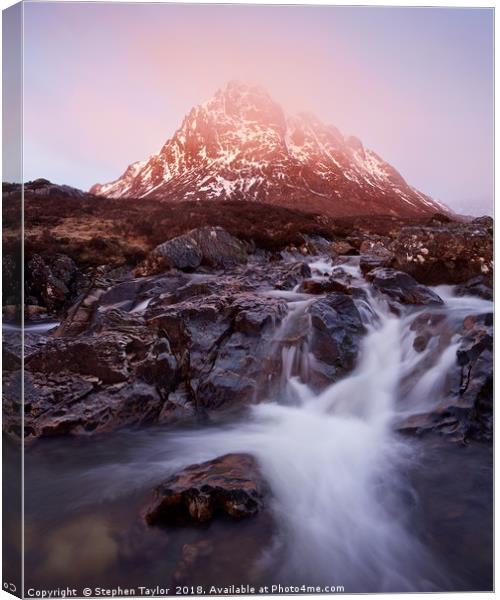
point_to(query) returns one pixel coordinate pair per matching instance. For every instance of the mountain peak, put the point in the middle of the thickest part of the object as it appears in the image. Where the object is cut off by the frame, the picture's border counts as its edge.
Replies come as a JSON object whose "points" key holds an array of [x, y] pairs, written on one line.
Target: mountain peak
{"points": [[241, 145]]}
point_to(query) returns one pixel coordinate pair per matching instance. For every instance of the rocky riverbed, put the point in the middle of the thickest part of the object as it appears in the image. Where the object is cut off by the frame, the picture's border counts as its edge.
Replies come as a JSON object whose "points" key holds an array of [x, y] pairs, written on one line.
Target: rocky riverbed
{"points": [[280, 405]]}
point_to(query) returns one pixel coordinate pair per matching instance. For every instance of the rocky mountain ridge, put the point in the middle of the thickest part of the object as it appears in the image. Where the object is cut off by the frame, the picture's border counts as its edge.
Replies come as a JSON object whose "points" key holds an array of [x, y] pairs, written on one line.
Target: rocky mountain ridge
{"points": [[240, 145]]}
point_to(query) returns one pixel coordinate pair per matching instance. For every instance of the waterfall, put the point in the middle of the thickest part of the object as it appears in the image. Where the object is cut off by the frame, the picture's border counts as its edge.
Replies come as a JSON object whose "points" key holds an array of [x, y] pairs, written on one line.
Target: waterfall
{"points": [[344, 509], [291, 342], [334, 464]]}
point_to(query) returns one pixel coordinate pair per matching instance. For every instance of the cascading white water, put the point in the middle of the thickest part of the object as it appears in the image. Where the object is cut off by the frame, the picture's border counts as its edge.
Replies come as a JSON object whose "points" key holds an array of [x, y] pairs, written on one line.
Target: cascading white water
{"points": [[343, 507], [292, 340], [333, 465]]}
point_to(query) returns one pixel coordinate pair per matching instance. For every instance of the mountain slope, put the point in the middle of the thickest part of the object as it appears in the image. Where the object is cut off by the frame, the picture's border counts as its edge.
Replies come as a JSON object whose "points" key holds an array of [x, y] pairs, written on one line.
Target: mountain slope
{"points": [[240, 145]]}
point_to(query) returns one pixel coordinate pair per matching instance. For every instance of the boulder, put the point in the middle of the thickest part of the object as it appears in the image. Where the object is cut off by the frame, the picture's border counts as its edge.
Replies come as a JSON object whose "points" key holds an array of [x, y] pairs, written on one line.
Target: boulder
{"points": [[213, 247], [33, 312], [337, 331], [230, 485], [324, 286], [181, 253], [401, 287]]}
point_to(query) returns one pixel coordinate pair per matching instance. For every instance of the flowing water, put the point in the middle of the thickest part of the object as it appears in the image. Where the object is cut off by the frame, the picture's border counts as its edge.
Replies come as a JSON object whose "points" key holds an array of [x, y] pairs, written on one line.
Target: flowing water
{"points": [[353, 502]]}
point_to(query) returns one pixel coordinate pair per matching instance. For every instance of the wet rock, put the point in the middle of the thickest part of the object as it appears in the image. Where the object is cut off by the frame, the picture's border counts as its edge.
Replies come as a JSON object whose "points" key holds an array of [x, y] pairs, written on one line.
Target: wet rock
{"points": [[113, 291], [179, 406], [324, 286], [79, 315], [193, 326], [230, 485], [13, 347], [343, 248], [62, 404], [233, 379], [401, 287], [475, 359], [42, 396], [293, 275], [11, 350], [43, 285], [120, 374], [237, 363], [480, 286], [12, 394], [465, 411], [316, 244], [428, 326], [123, 295], [255, 313], [451, 253], [220, 341], [337, 330], [213, 247], [373, 256], [52, 283], [104, 357]]}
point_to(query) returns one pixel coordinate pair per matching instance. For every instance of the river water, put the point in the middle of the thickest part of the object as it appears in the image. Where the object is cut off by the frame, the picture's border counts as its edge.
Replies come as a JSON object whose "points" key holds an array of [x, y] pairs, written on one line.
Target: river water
{"points": [[353, 502]]}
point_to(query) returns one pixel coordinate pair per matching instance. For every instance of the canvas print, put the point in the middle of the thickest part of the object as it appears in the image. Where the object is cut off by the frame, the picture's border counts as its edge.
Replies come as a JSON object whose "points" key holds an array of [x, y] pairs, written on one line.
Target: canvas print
{"points": [[247, 299]]}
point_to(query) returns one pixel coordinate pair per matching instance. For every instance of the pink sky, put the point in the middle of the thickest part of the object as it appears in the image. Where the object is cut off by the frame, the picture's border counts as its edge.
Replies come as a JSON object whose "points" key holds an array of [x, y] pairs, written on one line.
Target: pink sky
{"points": [[107, 84]]}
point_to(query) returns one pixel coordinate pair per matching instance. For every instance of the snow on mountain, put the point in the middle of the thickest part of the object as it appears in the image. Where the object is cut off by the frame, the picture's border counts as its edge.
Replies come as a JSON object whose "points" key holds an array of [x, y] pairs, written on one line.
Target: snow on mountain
{"points": [[240, 145]]}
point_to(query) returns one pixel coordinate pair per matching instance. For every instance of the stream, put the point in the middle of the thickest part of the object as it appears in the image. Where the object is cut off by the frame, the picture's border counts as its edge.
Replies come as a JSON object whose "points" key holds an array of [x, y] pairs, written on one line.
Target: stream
{"points": [[353, 502]]}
